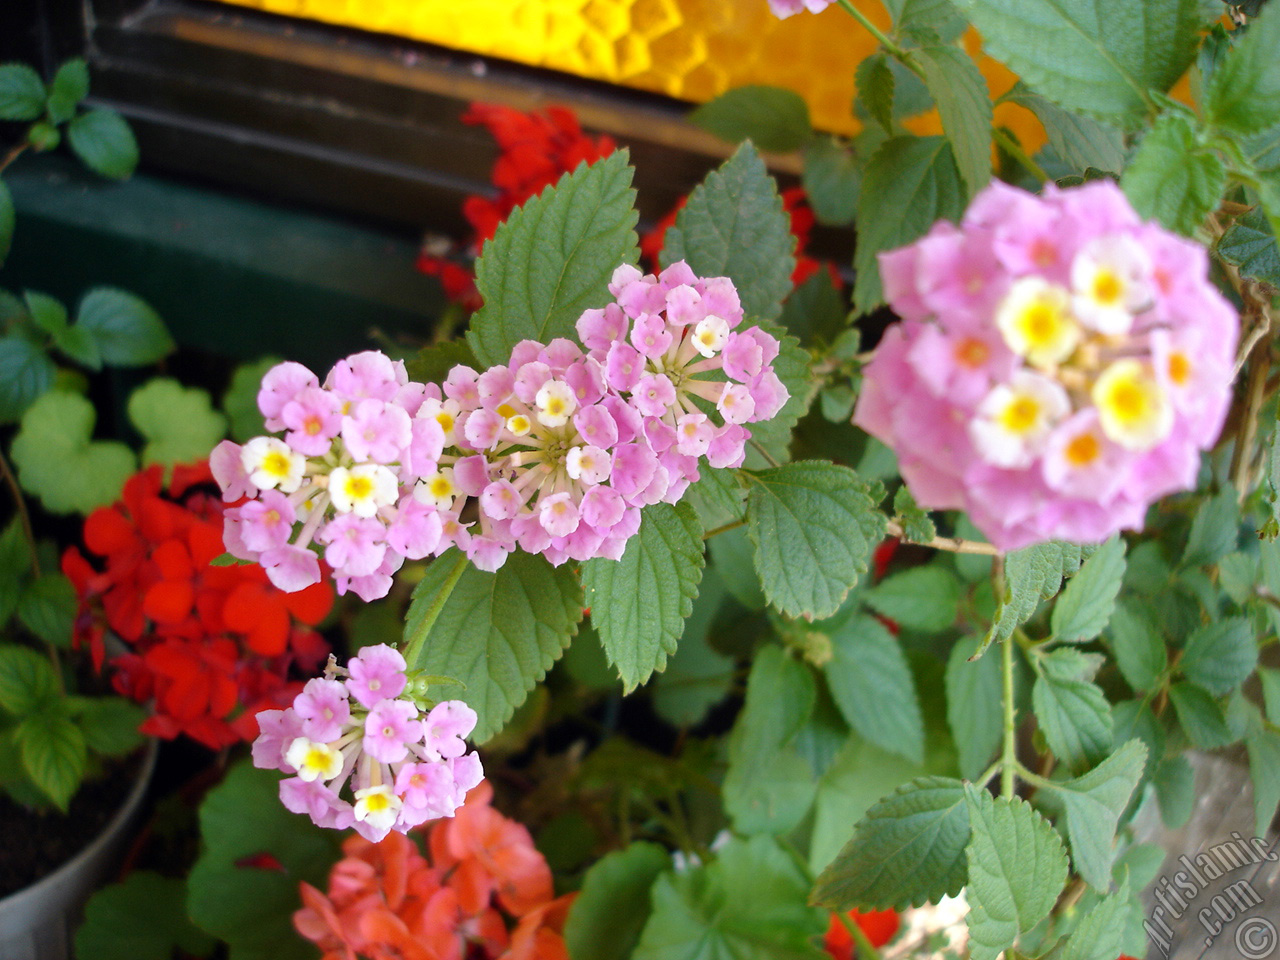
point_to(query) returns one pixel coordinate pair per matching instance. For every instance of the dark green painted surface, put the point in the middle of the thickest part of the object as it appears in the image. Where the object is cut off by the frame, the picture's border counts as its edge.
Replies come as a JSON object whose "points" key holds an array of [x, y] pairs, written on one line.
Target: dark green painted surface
{"points": [[229, 275]]}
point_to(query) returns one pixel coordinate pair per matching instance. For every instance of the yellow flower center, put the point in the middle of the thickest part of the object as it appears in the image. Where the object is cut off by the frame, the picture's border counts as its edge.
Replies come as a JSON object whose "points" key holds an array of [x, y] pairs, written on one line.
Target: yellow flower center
{"points": [[1108, 290], [1021, 415], [1082, 450], [1179, 369], [276, 464], [358, 488]]}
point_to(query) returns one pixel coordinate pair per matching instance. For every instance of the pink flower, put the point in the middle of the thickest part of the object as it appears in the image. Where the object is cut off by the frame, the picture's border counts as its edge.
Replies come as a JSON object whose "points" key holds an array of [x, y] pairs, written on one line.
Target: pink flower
{"points": [[376, 673], [282, 384], [389, 729], [786, 8], [356, 545], [322, 705], [313, 418], [376, 431]]}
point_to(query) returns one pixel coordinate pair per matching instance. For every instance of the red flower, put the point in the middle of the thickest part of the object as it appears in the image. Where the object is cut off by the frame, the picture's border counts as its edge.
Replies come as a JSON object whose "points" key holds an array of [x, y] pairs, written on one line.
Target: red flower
{"points": [[880, 926]]}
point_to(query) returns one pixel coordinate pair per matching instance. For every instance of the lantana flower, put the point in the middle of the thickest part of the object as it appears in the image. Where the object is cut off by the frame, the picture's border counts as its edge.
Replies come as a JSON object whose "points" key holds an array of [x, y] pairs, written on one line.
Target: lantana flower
{"points": [[1059, 367]]}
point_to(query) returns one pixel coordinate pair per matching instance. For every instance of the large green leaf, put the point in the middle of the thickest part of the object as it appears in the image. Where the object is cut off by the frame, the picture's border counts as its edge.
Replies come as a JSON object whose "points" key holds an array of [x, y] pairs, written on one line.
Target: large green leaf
{"points": [[104, 142], [831, 178], [964, 104], [1100, 933], [22, 92], [612, 907], [1173, 178], [1017, 868], [26, 372], [53, 753], [1213, 529], [974, 711], [70, 85], [142, 918], [909, 184], [920, 598], [1139, 648], [1220, 656], [773, 117], [908, 849], [1096, 57], [1072, 710], [1251, 246], [1200, 716], [553, 257], [179, 422], [1081, 141], [1084, 608], [872, 685], [734, 226], [1244, 91], [127, 332], [48, 608], [639, 603], [813, 528], [748, 904], [1031, 575], [498, 633], [27, 680]]}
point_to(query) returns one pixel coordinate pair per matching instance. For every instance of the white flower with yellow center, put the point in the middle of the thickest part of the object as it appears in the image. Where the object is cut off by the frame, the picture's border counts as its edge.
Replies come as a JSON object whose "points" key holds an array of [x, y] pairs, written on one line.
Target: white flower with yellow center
{"points": [[1110, 281], [273, 464], [555, 402], [1015, 418], [1133, 408], [362, 489], [312, 760], [519, 425], [437, 489], [710, 335], [378, 806], [443, 412], [1036, 322]]}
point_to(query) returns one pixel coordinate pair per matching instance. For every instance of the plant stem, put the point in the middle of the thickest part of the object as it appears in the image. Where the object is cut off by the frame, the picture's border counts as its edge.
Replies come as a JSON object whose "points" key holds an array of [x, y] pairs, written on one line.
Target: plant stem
{"points": [[411, 651], [1013, 149], [769, 457], [13, 154], [1010, 756], [24, 516], [890, 47], [724, 528], [950, 544]]}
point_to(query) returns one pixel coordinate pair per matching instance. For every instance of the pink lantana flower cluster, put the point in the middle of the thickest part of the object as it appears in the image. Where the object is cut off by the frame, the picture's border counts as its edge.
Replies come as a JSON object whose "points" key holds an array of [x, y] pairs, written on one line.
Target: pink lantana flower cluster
{"points": [[786, 8], [366, 727], [1059, 367], [554, 452]]}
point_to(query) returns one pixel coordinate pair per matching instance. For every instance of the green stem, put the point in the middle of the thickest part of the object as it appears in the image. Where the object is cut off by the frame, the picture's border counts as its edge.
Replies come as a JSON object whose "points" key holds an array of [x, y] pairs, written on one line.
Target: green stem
{"points": [[769, 457], [891, 48], [13, 155], [866, 949], [1013, 149], [724, 528], [1009, 758], [411, 651]]}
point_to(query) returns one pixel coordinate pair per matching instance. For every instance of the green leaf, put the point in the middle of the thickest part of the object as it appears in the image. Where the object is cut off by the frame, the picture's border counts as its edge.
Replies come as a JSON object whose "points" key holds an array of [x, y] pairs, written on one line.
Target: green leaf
{"points": [[909, 849], [78, 345], [1251, 247], [144, 917], [874, 82], [70, 86], [791, 366], [612, 907], [1200, 716], [1099, 58], [432, 363], [26, 372], [775, 118], [47, 313], [250, 908], [498, 633], [813, 528], [815, 314], [1173, 178], [53, 754], [938, 15], [916, 525], [717, 497], [7, 219], [22, 92], [964, 104], [1244, 91], [769, 786], [1093, 805], [1270, 685], [128, 333], [921, 598], [831, 179], [15, 564], [104, 143], [27, 680], [553, 258], [48, 609], [1264, 769], [1175, 783], [639, 603], [1220, 656], [1100, 932], [1072, 712], [110, 725], [1017, 868], [734, 226], [909, 184], [1084, 608], [58, 463], [1080, 141], [748, 904], [1139, 648], [1213, 531], [240, 402], [179, 422], [974, 711], [1031, 575]]}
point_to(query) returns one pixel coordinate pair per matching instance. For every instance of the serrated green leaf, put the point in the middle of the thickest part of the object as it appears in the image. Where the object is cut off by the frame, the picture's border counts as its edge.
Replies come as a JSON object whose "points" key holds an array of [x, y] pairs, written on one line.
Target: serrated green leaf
{"points": [[1031, 575], [717, 497], [110, 725], [769, 786], [1175, 783], [179, 422], [872, 685], [104, 143], [734, 225], [917, 527], [908, 185], [1073, 714], [1100, 932], [1264, 769], [774, 118], [1220, 656], [831, 179], [1200, 716], [144, 917], [1173, 178], [1136, 642], [240, 402], [1085, 606], [1097, 58], [7, 220], [1080, 141], [1017, 868], [813, 528], [964, 104], [1243, 94], [53, 754], [921, 598], [48, 609], [27, 680], [70, 86], [937, 15], [748, 904], [22, 93], [639, 603], [974, 711], [1251, 247], [874, 82], [553, 257], [432, 363], [1213, 530], [128, 333], [908, 849], [612, 908], [1238, 575], [1093, 805], [498, 633], [26, 372]]}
